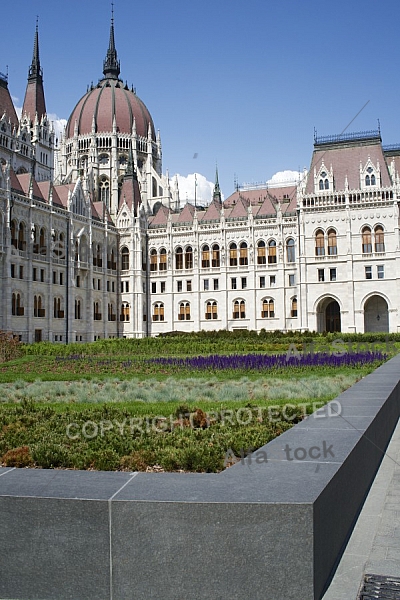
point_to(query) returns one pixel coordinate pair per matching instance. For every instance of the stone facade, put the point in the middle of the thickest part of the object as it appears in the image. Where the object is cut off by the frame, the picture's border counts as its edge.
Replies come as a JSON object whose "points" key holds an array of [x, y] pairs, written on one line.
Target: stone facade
{"points": [[101, 247]]}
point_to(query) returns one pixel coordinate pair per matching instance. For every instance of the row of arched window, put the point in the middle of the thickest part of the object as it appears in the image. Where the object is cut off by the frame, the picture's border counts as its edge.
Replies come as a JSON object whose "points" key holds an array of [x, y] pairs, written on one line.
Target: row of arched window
{"points": [[210, 255], [375, 239], [211, 310]]}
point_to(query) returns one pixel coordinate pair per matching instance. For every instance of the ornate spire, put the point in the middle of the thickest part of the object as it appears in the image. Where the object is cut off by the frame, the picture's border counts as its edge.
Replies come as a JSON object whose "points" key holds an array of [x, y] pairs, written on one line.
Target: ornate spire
{"points": [[217, 191], [111, 68], [35, 72], [34, 101]]}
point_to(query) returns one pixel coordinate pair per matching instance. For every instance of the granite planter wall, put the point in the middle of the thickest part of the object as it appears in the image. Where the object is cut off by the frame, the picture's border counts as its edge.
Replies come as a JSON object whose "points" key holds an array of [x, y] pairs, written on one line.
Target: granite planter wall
{"points": [[269, 528]]}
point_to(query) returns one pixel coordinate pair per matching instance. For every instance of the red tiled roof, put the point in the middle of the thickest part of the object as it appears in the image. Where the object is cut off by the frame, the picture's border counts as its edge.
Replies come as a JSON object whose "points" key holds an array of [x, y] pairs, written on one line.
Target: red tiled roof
{"points": [[161, 217], [213, 212], [6, 104], [187, 213], [345, 159]]}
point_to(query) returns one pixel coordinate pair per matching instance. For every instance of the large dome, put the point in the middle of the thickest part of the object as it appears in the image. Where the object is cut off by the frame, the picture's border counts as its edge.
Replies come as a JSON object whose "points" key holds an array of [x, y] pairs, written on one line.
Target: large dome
{"points": [[108, 99]]}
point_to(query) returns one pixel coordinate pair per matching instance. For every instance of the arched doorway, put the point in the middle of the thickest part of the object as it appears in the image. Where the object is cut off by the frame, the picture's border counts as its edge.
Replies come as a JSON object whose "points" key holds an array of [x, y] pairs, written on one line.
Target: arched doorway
{"points": [[328, 316], [376, 315]]}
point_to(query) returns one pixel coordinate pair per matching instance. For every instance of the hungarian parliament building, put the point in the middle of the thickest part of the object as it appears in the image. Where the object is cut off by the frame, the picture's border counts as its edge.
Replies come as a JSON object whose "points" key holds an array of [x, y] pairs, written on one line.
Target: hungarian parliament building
{"points": [[95, 243]]}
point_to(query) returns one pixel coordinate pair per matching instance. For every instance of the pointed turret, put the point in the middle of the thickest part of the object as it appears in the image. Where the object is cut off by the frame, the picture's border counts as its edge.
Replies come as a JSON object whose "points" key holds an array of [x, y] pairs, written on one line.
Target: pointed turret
{"points": [[111, 69], [217, 191], [34, 102]]}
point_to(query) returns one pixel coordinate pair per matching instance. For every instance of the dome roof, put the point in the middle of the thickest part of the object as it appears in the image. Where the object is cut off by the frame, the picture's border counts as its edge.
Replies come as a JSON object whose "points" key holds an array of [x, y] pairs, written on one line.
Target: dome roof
{"points": [[108, 99]]}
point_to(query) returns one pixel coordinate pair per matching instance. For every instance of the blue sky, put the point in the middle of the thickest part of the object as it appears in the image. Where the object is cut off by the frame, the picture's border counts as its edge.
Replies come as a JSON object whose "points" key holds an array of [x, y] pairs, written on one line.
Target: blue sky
{"points": [[240, 83]]}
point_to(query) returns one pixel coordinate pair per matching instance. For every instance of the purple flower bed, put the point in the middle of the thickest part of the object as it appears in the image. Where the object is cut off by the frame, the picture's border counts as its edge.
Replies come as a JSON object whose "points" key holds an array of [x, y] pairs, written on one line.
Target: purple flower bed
{"points": [[258, 362]]}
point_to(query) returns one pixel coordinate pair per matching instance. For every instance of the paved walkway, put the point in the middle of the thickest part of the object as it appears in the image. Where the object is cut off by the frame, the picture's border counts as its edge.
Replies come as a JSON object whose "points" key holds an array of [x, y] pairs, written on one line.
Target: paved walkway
{"points": [[374, 546]]}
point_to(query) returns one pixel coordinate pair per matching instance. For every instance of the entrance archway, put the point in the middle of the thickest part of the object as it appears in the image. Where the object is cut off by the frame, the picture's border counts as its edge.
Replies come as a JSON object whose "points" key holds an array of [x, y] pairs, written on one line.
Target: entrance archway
{"points": [[328, 316], [376, 315]]}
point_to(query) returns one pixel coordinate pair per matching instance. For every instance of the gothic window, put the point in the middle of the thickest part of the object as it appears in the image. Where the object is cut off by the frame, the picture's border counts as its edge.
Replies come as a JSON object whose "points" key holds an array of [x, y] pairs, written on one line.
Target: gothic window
{"points": [[189, 258], [153, 260], [103, 159], [57, 312], [261, 253], [184, 311], [332, 242], [319, 243], [366, 240], [16, 307], [104, 190], [38, 310], [211, 310], [293, 310], [379, 239], [239, 309], [271, 252], [215, 256], [125, 316], [125, 259], [290, 251], [158, 311], [35, 240], [97, 311], [76, 257], [97, 258], [42, 242], [205, 257], [243, 254], [22, 237], [163, 260], [179, 258], [268, 309], [373, 180], [233, 255], [110, 312], [326, 184], [367, 180], [78, 309], [14, 240]]}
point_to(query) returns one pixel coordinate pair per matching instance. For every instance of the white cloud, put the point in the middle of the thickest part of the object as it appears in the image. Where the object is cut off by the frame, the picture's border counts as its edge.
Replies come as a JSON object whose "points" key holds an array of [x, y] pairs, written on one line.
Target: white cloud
{"points": [[204, 189], [285, 177], [58, 125]]}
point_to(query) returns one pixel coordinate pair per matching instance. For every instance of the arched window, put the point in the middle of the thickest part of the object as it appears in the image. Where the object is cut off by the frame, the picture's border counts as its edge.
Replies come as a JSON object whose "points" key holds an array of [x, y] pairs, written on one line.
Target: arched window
{"points": [[153, 259], [76, 251], [110, 312], [239, 309], [78, 309], [124, 316], [290, 251], [326, 184], [293, 309], [261, 253], [57, 312], [332, 242], [373, 180], [184, 311], [35, 239], [16, 305], [215, 256], [379, 239], [271, 252], [158, 311], [96, 311], [366, 240], [22, 237], [321, 184], [38, 310], [104, 190], [367, 180], [205, 257], [233, 255], [179, 258], [211, 310], [125, 259], [189, 258], [163, 260], [14, 240], [42, 242], [319, 243], [243, 255], [268, 309]]}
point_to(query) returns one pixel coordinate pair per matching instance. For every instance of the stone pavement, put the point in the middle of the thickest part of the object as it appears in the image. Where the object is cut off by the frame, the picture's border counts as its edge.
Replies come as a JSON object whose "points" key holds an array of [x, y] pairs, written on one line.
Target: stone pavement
{"points": [[374, 546]]}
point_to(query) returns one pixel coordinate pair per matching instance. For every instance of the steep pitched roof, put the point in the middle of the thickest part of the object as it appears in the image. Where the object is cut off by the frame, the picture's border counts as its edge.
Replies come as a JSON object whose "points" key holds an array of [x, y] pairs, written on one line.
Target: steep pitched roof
{"points": [[100, 212], [34, 101], [161, 217], [27, 180], [240, 208], [15, 183], [6, 104], [345, 157], [213, 212], [187, 213]]}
